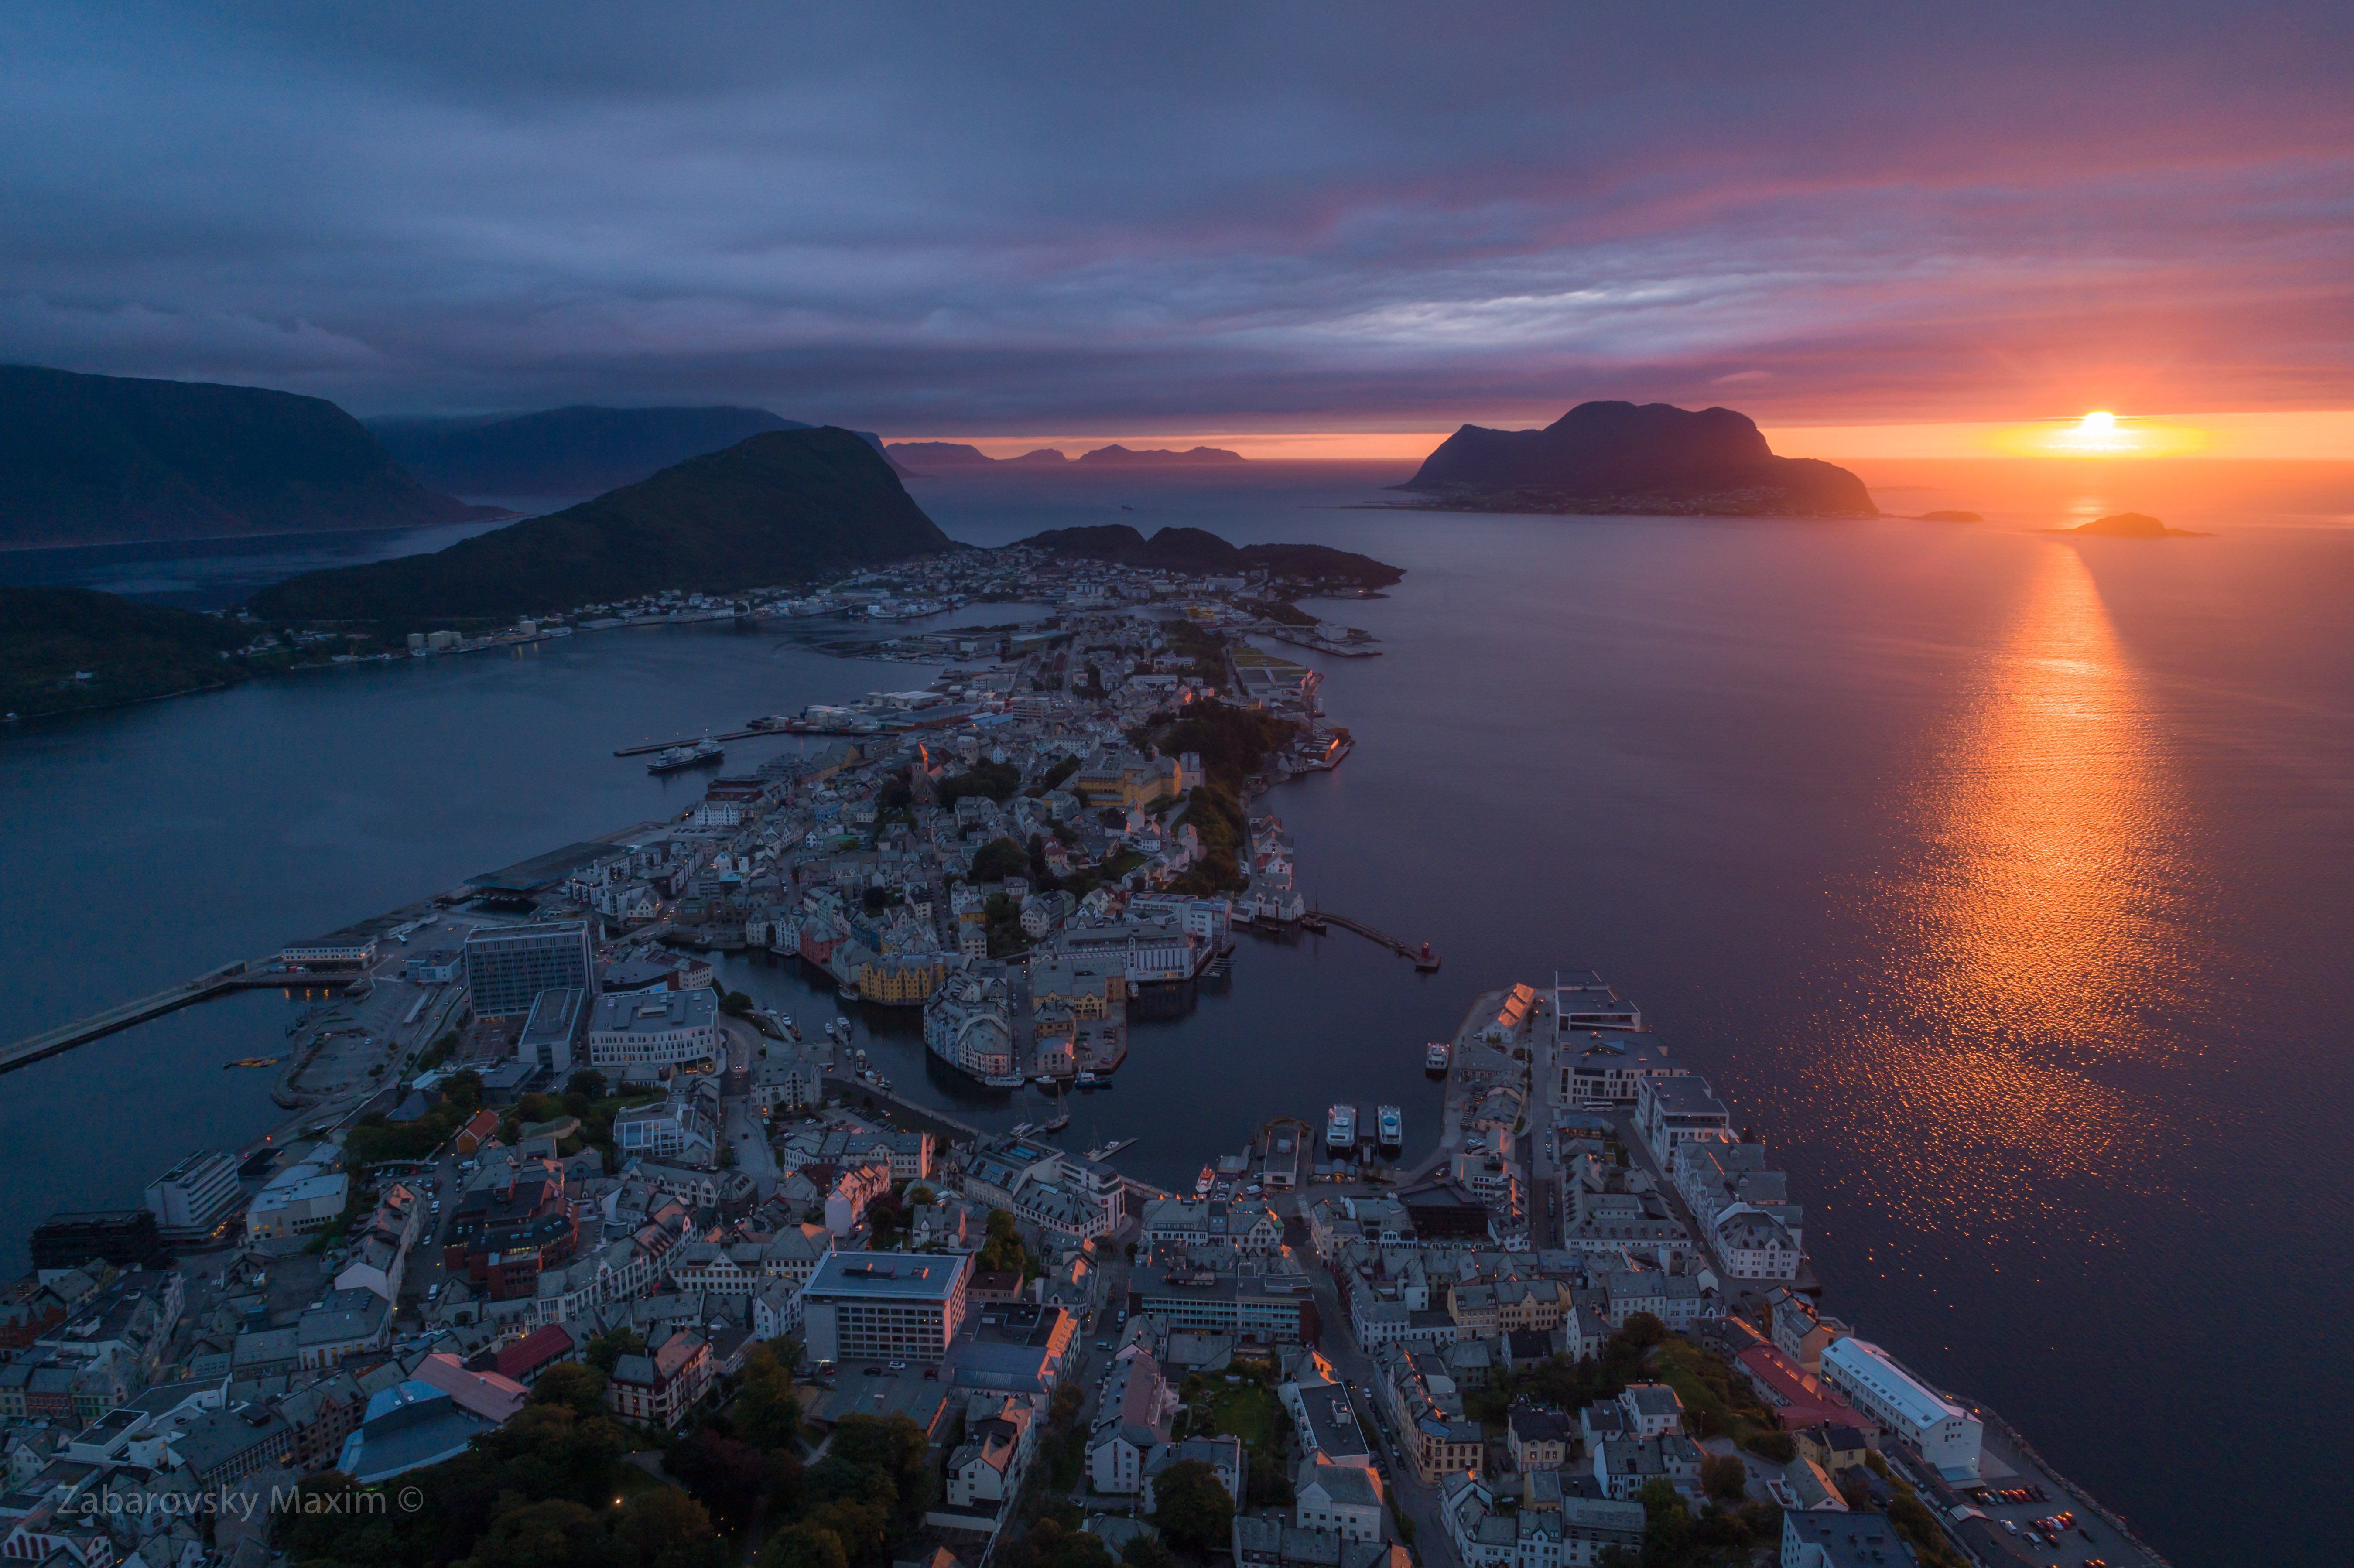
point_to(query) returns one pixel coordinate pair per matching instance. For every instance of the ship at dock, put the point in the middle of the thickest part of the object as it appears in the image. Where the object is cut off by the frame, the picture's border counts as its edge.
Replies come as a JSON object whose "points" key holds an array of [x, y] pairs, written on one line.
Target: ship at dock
{"points": [[1389, 1136], [704, 753], [1436, 1056], [1341, 1132]]}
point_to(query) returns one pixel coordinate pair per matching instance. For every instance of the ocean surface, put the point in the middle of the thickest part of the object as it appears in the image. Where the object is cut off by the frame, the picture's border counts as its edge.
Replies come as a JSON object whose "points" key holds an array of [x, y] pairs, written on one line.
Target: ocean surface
{"points": [[2001, 881]]}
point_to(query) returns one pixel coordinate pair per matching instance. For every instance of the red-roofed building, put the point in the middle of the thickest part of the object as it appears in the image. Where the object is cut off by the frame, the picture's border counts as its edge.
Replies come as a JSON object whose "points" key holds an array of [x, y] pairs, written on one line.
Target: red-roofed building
{"points": [[487, 1395], [478, 1131], [534, 1353], [1797, 1398]]}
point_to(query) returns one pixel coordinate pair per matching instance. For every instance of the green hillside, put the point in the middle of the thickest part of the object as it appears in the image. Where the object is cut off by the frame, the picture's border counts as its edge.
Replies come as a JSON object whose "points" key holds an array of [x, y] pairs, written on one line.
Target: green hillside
{"points": [[48, 636]]}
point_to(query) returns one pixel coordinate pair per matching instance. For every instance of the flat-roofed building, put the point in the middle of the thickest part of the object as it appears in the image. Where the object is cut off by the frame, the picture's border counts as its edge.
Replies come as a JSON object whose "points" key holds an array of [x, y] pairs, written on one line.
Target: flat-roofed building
{"points": [[508, 966], [1607, 1066], [194, 1199], [1947, 1435], [886, 1307], [1668, 1111], [551, 1036], [654, 1029], [1582, 1001]]}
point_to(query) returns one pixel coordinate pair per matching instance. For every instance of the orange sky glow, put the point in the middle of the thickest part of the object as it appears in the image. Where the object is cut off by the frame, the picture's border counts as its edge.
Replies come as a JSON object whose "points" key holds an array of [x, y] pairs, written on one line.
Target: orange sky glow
{"points": [[2310, 436]]}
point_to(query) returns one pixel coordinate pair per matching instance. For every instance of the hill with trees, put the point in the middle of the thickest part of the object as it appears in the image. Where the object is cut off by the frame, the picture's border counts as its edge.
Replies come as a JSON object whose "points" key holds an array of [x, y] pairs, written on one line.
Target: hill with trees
{"points": [[781, 507], [90, 459], [50, 637], [1199, 553]]}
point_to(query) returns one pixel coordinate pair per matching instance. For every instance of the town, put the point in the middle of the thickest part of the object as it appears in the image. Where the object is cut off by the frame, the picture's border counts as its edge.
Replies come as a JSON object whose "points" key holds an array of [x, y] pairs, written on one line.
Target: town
{"points": [[546, 1182]]}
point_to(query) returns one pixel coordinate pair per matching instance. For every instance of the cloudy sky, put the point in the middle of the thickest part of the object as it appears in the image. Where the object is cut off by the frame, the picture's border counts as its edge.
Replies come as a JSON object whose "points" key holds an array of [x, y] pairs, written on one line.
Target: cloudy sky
{"points": [[995, 220]]}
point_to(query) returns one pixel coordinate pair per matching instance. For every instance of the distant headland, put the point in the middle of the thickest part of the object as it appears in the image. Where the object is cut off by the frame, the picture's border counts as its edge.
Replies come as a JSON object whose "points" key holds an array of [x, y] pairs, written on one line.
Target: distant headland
{"points": [[2130, 525], [918, 456], [1618, 458]]}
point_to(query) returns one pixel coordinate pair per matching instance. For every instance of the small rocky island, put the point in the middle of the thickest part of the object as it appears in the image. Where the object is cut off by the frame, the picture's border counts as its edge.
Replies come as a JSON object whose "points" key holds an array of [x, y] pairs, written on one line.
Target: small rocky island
{"points": [[2130, 525], [1621, 457]]}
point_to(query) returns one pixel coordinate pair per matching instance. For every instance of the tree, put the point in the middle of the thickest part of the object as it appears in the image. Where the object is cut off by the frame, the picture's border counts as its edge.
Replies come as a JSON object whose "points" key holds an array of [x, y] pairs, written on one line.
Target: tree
{"points": [[1147, 1551], [1778, 1446], [1724, 1477], [919, 1195], [804, 1545], [663, 1528], [1643, 1331], [610, 1347], [588, 1082], [575, 1385], [735, 1004], [726, 1475], [999, 859], [1195, 1510], [768, 1415], [552, 1531]]}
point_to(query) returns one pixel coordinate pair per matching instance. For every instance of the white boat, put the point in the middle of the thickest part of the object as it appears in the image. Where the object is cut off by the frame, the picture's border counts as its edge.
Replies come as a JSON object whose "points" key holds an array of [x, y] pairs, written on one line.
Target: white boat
{"points": [[1204, 1181], [1341, 1129], [1435, 1057], [704, 753], [1389, 1123]]}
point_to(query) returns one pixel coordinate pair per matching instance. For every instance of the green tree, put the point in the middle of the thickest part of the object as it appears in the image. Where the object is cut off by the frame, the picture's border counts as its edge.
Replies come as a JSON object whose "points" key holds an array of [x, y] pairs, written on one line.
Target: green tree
{"points": [[768, 1414], [1147, 1551], [735, 1004], [999, 859], [588, 1082], [610, 1347], [536, 1535], [575, 1385], [1724, 1477], [804, 1545], [725, 1474], [1195, 1510], [663, 1528], [1778, 1446]]}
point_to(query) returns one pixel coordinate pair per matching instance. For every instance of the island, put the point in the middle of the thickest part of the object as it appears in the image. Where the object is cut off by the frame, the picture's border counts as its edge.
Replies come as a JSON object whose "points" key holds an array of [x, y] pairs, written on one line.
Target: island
{"points": [[1950, 517], [1621, 457], [1198, 552], [90, 459], [2129, 526], [959, 455], [780, 507]]}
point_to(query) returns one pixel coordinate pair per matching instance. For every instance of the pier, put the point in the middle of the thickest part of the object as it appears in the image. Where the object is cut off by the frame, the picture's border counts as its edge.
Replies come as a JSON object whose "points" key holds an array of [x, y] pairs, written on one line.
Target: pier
{"points": [[82, 1031], [1423, 959]]}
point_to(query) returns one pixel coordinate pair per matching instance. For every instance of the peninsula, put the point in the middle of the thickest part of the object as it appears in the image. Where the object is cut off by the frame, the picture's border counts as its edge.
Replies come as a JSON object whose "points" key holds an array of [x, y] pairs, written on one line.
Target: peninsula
{"points": [[1621, 457]]}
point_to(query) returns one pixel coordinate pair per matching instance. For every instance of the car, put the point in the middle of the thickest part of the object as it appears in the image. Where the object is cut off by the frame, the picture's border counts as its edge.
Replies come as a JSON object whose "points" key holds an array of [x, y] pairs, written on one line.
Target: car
{"points": [[931, 1375], [874, 1371], [2010, 1527], [1103, 1344]]}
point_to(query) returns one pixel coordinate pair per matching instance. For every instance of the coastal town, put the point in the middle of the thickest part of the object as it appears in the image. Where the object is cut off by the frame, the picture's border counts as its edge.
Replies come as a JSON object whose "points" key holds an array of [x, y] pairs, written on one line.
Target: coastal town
{"points": [[540, 1165]]}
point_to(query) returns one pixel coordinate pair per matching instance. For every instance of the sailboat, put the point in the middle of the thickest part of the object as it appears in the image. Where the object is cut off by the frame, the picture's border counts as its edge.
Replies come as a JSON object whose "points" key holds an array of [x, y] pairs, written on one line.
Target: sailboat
{"points": [[1061, 1118]]}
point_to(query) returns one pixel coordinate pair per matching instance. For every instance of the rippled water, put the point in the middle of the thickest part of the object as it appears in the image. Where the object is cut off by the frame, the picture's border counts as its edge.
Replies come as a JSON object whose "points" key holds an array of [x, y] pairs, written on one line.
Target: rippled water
{"points": [[2001, 881]]}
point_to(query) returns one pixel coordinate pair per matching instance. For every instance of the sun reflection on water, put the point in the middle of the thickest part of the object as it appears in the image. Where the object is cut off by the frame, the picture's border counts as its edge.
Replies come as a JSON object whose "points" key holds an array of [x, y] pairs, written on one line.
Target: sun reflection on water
{"points": [[2045, 911]]}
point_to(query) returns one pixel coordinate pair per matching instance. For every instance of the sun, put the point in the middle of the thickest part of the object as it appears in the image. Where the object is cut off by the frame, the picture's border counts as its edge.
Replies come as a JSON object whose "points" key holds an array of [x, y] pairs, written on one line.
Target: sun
{"points": [[2098, 422]]}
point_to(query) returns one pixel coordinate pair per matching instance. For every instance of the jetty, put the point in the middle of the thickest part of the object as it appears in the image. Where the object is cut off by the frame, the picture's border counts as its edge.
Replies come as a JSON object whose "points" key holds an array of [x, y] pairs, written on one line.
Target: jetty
{"points": [[1424, 958]]}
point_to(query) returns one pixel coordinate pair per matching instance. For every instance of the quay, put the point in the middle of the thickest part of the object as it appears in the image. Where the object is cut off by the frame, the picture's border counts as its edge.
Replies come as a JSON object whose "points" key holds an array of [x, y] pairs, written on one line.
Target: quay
{"points": [[239, 976], [1424, 958], [922, 1118]]}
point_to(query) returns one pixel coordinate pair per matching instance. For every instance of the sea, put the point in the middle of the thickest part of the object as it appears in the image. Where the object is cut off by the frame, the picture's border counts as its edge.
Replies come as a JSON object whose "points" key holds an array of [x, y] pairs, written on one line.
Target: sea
{"points": [[1998, 880]]}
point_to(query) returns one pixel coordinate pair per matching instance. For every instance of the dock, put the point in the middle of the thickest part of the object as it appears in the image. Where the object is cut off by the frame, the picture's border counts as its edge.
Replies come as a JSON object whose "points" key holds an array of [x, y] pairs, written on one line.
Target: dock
{"points": [[66, 1037], [1422, 958]]}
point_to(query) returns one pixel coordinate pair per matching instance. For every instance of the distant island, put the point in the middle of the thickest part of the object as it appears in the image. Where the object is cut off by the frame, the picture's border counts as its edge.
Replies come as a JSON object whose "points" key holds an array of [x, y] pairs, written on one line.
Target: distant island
{"points": [[1199, 553], [1616, 458], [780, 507], [573, 451], [2130, 525], [63, 649], [1950, 517], [919, 456], [88, 459]]}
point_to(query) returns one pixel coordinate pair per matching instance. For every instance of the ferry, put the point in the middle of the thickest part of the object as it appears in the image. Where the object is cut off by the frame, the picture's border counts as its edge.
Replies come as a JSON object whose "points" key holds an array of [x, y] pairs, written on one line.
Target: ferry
{"points": [[704, 753], [1389, 1123], [1341, 1129], [1436, 1056]]}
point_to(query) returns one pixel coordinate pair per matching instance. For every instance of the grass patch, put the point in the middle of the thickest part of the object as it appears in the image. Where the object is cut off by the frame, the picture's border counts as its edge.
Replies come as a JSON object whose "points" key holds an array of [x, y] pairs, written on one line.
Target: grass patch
{"points": [[1249, 1410]]}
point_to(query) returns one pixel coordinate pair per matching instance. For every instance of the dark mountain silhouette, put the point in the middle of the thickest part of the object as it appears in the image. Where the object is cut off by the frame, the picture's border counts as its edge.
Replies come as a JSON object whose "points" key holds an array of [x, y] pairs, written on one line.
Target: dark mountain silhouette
{"points": [[918, 455], [2130, 525], [1619, 457], [66, 648], [1158, 457], [1199, 553], [780, 507], [578, 450], [1043, 456], [93, 459]]}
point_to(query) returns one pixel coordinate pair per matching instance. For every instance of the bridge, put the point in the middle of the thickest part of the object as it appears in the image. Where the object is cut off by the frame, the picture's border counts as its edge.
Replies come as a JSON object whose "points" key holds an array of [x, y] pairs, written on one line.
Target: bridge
{"points": [[1383, 939]]}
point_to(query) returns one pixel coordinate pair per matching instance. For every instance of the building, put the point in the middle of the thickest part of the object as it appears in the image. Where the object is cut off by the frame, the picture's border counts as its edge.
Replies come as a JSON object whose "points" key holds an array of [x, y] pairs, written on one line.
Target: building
{"points": [[1538, 1436], [986, 1470], [1133, 1422], [658, 1388], [1583, 1003], [885, 1306], [1346, 1500], [551, 1036], [1263, 1300], [1597, 1068], [1670, 1110], [118, 1237], [655, 1028], [508, 966], [194, 1201], [305, 1197], [1841, 1541], [1948, 1436], [969, 1023], [438, 966], [1653, 1409], [353, 947]]}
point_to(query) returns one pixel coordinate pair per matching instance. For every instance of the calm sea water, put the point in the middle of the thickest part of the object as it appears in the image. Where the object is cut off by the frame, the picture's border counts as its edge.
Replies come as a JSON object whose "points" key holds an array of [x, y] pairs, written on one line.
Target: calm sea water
{"points": [[2001, 881]]}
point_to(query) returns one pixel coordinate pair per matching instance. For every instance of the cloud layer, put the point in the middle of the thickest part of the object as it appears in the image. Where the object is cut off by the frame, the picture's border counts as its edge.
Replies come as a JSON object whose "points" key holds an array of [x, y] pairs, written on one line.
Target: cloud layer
{"points": [[933, 219]]}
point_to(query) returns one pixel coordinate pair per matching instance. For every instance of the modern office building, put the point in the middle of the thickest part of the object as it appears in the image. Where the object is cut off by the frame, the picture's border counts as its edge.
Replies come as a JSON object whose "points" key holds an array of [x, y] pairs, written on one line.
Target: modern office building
{"points": [[195, 1198], [508, 966], [1669, 1110], [551, 1037], [884, 1306], [657, 1029], [1947, 1435]]}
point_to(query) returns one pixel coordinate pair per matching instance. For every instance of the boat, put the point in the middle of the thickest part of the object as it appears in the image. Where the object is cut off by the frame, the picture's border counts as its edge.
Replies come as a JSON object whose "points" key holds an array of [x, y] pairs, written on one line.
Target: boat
{"points": [[1108, 1150], [1425, 960], [1436, 1056], [1313, 921], [1204, 1181], [1088, 1080], [1045, 1080], [1389, 1136], [250, 1062], [1056, 1122], [1341, 1129], [1020, 1128], [1005, 1080], [704, 753]]}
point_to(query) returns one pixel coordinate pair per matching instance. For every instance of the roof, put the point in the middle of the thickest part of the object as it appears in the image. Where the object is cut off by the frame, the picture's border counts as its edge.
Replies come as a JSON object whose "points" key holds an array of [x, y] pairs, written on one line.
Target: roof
{"points": [[1866, 1363], [913, 1276]]}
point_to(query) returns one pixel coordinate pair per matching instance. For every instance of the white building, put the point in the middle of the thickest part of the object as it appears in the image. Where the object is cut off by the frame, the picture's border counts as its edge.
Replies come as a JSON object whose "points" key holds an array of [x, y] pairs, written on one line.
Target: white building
{"points": [[192, 1199], [658, 1028], [1670, 1110], [1343, 1499], [1947, 1435]]}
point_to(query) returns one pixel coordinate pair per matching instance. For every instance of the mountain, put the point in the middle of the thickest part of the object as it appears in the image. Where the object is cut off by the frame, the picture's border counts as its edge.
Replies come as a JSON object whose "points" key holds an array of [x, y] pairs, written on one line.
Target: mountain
{"points": [[1618, 457], [579, 451], [1043, 456], [92, 459], [1158, 457], [1199, 553], [2130, 525], [52, 637], [937, 454], [780, 507]]}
